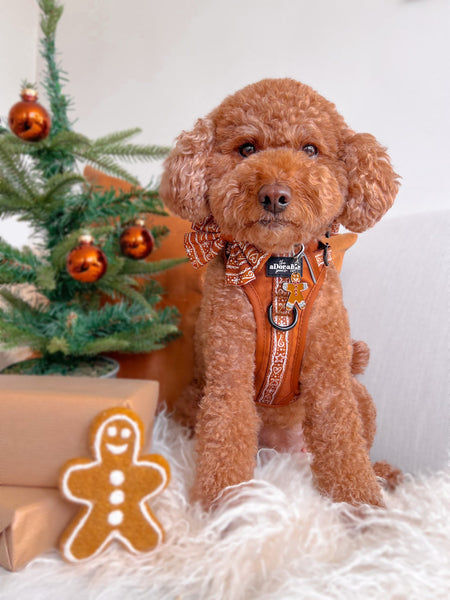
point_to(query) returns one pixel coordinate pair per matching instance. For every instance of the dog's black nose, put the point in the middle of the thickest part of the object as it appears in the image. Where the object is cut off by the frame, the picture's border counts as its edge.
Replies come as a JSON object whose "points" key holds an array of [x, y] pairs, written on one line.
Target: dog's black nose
{"points": [[274, 197]]}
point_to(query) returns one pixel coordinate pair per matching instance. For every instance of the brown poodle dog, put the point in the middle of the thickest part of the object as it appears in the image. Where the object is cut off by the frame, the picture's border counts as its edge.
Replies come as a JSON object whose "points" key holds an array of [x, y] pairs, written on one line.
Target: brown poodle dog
{"points": [[270, 173]]}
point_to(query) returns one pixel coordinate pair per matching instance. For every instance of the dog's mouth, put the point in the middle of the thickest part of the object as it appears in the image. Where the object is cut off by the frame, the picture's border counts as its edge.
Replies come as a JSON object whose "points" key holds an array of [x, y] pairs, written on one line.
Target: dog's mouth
{"points": [[273, 224], [273, 235]]}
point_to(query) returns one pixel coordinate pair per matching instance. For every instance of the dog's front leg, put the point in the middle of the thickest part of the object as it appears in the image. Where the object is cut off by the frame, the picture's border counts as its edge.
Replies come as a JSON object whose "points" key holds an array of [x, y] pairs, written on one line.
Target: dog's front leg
{"points": [[228, 425], [333, 426]]}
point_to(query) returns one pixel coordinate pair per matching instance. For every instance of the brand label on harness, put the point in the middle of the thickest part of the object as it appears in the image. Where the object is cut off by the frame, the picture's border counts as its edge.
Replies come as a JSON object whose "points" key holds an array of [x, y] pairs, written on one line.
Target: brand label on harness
{"points": [[284, 266]]}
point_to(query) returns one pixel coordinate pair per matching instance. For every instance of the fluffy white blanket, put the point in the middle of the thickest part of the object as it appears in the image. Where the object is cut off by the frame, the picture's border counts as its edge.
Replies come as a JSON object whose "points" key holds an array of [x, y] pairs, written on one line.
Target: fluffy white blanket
{"points": [[279, 541]]}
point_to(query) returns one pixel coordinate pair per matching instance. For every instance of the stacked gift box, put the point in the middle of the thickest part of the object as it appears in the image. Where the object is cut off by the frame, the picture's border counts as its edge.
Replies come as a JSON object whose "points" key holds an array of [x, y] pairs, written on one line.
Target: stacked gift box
{"points": [[45, 422]]}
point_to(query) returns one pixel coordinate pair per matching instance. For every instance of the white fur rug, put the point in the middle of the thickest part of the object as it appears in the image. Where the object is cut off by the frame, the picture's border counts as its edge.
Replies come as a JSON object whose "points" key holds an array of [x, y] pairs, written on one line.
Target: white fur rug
{"points": [[280, 541]]}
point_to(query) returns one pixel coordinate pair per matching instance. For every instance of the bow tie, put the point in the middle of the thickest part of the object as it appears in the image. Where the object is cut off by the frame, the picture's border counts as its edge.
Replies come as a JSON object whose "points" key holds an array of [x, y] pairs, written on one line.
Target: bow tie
{"points": [[242, 259]]}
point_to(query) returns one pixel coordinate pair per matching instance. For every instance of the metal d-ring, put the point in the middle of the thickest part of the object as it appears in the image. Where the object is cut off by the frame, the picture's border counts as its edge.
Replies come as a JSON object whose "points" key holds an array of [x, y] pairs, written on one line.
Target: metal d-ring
{"points": [[281, 327]]}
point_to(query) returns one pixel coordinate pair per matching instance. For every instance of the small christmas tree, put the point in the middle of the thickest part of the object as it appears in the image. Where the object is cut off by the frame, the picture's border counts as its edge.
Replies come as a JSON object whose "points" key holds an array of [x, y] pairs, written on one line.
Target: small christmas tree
{"points": [[91, 294]]}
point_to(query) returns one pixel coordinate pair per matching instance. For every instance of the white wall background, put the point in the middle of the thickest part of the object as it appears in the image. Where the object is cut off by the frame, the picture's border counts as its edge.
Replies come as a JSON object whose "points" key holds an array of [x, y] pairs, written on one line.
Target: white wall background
{"points": [[161, 64]]}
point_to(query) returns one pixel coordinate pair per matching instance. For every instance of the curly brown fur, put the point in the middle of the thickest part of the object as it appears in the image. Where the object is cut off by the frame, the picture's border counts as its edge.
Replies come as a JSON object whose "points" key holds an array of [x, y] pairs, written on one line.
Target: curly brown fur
{"points": [[350, 180], [360, 357], [389, 476]]}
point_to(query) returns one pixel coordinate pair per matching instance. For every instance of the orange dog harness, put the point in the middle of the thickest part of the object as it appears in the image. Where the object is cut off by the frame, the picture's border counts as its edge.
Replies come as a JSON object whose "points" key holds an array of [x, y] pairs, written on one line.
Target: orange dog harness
{"points": [[282, 306], [281, 290]]}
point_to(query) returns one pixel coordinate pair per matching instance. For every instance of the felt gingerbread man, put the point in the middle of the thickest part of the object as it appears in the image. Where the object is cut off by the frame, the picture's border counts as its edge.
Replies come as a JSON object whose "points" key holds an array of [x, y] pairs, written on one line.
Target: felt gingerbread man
{"points": [[295, 287], [114, 489]]}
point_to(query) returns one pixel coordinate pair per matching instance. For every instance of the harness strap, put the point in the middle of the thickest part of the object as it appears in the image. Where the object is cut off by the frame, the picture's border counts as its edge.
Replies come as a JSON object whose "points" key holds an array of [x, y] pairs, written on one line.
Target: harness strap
{"points": [[279, 353]]}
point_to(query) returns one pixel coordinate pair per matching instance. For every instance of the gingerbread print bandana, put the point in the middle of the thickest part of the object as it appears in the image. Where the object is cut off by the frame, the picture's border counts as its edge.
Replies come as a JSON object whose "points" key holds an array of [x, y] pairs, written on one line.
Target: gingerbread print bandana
{"points": [[205, 242]]}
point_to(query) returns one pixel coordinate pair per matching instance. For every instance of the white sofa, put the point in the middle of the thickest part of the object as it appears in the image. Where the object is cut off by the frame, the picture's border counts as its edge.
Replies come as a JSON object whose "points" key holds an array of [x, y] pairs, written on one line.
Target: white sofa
{"points": [[396, 282]]}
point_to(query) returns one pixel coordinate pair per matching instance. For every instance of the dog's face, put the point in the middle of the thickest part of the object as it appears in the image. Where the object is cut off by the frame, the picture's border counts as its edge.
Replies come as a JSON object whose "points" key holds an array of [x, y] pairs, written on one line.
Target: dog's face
{"points": [[276, 164], [274, 174]]}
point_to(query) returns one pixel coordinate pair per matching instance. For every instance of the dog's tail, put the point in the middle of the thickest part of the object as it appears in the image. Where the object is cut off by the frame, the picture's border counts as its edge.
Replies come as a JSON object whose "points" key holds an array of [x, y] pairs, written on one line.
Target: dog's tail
{"points": [[388, 476], [360, 357]]}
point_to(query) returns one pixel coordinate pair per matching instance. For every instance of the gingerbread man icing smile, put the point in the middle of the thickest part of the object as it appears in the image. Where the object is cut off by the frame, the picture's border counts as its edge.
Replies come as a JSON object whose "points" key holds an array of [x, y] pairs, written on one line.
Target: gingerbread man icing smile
{"points": [[113, 488]]}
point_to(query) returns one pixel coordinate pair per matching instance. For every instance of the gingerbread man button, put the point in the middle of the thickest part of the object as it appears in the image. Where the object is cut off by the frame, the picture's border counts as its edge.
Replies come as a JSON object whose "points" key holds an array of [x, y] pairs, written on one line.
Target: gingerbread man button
{"points": [[295, 288], [114, 489]]}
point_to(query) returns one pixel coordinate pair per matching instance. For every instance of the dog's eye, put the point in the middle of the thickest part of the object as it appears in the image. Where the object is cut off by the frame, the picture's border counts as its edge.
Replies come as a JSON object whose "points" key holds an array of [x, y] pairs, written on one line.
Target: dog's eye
{"points": [[310, 150], [246, 149]]}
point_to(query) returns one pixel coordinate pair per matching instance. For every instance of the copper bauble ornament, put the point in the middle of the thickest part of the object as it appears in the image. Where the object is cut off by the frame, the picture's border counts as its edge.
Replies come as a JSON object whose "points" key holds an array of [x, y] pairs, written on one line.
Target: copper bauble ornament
{"points": [[86, 262], [136, 240], [28, 119]]}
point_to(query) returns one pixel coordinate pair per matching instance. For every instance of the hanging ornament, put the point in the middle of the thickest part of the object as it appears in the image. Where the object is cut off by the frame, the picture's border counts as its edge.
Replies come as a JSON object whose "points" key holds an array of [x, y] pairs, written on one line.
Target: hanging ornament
{"points": [[86, 262], [136, 240], [28, 119]]}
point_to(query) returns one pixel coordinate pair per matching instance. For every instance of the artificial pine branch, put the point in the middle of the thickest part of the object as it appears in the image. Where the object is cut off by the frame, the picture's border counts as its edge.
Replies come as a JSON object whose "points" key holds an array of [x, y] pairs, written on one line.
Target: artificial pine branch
{"points": [[117, 137], [54, 187], [117, 327], [17, 266], [99, 151], [140, 268], [105, 205], [132, 152], [52, 163], [51, 13], [153, 339], [45, 278], [79, 328], [105, 163], [58, 345], [123, 287], [116, 343], [22, 323], [159, 232], [15, 302], [12, 201], [64, 140], [14, 335], [14, 171], [111, 318], [14, 145]]}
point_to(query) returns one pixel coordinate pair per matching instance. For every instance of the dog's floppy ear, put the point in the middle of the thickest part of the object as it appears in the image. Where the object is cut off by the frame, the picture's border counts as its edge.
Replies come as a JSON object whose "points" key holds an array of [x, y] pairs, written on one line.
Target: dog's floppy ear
{"points": [[183, 185], [372, 182]]}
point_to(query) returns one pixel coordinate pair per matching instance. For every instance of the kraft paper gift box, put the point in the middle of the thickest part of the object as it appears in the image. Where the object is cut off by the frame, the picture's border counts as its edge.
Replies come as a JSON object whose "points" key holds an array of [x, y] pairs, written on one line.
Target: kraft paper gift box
{"points": [[31, 522], [44, 422]]}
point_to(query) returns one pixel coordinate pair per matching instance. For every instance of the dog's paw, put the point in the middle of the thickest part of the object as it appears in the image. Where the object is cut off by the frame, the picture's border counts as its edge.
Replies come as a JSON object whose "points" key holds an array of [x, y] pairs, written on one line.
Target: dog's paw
{"points": [[353, 492], [206, 494]]}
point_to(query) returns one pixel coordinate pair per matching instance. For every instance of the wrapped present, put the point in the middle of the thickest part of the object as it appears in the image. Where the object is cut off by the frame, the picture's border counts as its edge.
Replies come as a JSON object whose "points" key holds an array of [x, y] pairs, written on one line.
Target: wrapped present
{"points": [[44, 422], [31, 522]]}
